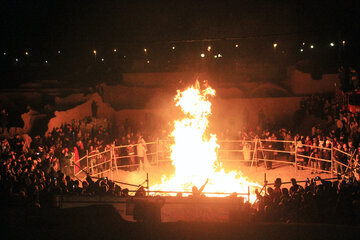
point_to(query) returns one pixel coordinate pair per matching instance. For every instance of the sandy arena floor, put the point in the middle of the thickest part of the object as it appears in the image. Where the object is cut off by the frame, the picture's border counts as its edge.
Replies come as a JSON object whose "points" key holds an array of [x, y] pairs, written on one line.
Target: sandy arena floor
{"points": [[254, 174]]}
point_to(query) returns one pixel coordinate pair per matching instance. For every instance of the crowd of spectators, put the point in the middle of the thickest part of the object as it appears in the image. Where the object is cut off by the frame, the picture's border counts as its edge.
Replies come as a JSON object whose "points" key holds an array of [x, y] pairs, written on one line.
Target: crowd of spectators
{"points": [[32, 171], [337, 137], [321, 201]]}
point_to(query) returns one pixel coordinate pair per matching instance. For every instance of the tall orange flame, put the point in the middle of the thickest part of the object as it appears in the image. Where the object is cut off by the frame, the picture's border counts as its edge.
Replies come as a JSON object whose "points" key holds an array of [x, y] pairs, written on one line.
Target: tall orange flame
{"points": [[194, 153]]}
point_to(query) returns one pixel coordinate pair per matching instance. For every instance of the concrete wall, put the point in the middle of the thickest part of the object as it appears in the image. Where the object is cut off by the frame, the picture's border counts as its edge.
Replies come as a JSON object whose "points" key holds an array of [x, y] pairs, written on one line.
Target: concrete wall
{"points": [[243, 112], [227, 113], [301, 83], [70, 101], [161, 79], [81, 111], [123, 97], [104, 111]]}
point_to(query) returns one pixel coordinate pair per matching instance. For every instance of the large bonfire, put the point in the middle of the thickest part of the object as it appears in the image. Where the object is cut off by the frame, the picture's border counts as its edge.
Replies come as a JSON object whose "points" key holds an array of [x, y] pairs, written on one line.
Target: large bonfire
{"points": [[194, 152]]}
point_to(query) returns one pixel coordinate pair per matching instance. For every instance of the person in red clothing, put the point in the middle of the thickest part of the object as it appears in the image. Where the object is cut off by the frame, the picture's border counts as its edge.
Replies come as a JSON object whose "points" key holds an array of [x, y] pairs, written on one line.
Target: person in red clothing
{"points": [[76, 161], [308, 144]]}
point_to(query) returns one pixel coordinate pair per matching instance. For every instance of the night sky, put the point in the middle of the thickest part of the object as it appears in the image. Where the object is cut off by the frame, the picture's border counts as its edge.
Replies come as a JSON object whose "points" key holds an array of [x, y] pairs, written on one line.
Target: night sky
{"points": [[78, 27], [70, 24]]}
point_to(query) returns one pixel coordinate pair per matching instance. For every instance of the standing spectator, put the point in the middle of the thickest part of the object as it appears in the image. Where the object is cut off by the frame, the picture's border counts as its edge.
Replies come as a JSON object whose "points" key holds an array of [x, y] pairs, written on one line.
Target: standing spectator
{"points": [[314, 163], [287, 144], [326, 154], [141, 151], [338, 158], [308, 145], [300, 151], [269, 155], [131, 153]]}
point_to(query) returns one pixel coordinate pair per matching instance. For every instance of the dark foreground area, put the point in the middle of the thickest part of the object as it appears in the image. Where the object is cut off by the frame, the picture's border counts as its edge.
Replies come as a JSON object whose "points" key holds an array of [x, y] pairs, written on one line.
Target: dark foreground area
{"points": [[104, 222]]}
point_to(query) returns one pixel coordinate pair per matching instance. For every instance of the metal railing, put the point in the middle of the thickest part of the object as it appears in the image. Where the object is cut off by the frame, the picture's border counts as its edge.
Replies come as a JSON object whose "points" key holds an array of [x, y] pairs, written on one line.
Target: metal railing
{"points": [[255, 152], [267, 151]]}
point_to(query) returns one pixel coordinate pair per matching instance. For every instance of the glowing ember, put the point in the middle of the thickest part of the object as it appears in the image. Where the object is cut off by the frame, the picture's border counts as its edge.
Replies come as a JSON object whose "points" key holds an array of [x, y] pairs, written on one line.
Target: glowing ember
{"points": [[194, 153]]}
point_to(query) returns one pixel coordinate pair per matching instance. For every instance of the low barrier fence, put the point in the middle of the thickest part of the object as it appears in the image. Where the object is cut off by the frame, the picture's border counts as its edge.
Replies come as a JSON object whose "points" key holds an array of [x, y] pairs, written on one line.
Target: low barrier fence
{"points": [[256, 152]]}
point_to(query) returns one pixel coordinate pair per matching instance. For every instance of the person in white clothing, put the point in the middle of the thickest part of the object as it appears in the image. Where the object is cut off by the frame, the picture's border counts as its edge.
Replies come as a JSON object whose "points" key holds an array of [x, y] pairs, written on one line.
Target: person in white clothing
{"points": [[141, 151]]}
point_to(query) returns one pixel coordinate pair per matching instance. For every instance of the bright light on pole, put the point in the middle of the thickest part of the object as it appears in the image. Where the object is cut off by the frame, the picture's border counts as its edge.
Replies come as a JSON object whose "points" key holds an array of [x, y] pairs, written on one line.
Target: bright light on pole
{"points": [[209, 48], [332, 44], [275, 45], [94, 52], [202, 55]]}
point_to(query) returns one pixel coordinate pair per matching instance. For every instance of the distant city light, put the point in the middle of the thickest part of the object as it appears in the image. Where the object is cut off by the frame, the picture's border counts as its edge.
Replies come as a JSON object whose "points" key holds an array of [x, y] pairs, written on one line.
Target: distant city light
{"points": [[173, 47], [147, 61], [343, 42], [209, 48], [145, 50], [115, 50], [219, 55], [4, 53], [236, 45], [102, 59], [124, 56], [94, 51], [215, 56], [16, 59], [202, 55], [275, 45], [303, 43], [332, 44], [27, 53], [301, 50], [46, 61], [59, 51], [311, 46]]}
